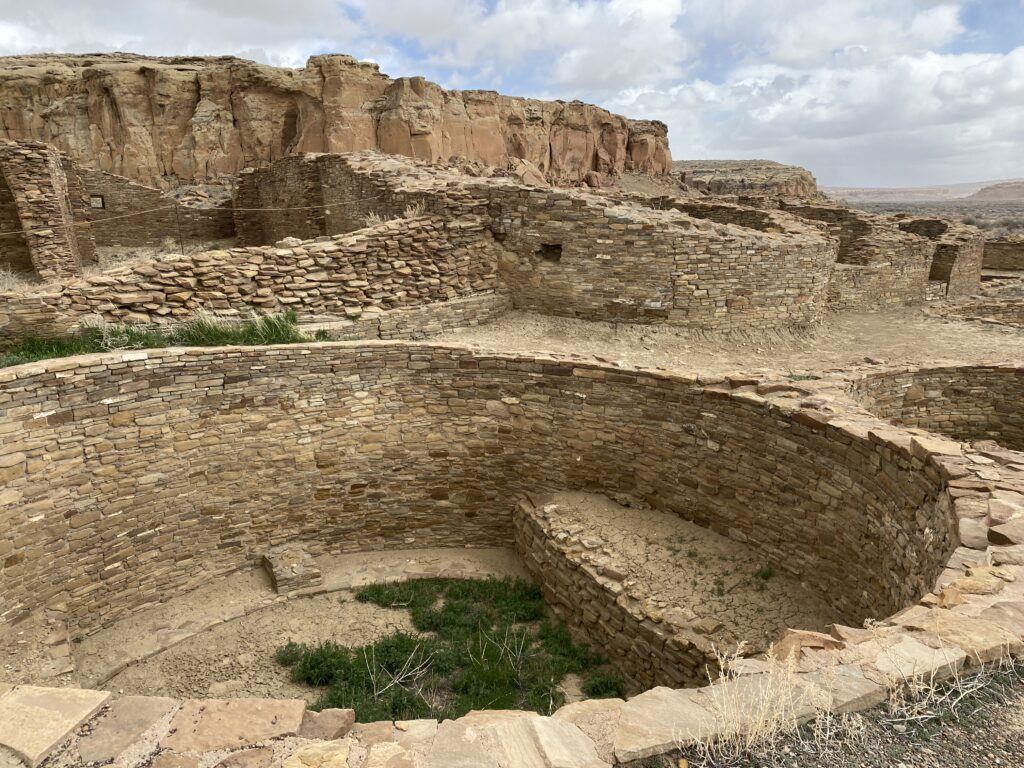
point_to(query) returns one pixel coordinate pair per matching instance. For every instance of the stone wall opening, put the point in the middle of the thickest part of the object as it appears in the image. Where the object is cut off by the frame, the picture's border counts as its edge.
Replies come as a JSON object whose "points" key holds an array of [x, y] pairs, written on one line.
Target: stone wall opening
{"points": [[14, 253]]}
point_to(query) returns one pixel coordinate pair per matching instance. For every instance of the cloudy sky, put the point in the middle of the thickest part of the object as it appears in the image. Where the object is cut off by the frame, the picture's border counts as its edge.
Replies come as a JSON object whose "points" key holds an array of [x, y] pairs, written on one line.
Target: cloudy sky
{"points": [[862, 92]]}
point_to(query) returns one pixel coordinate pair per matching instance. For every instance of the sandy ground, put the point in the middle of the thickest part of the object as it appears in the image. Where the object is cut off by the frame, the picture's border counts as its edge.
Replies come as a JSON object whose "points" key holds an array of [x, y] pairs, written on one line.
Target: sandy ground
{"points": [[901, 336], [709, 577], [237, 658], [220, 639]]}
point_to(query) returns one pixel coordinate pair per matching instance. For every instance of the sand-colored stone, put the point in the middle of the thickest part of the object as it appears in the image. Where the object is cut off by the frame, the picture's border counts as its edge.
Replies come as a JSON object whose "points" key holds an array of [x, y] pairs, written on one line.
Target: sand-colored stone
{"points": [[328, 754], [219, 114], [202, 725], [327, 724], [127, 718], [658, 720], [34, 720]]}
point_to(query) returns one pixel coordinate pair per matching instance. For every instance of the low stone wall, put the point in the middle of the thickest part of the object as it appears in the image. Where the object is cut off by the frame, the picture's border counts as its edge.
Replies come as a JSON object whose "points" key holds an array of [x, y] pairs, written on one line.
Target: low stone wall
{"points": [[1004, 253], [402, 263], [177, 465], [1008, 311], [963, 402], [136, 215], [648, 649]]}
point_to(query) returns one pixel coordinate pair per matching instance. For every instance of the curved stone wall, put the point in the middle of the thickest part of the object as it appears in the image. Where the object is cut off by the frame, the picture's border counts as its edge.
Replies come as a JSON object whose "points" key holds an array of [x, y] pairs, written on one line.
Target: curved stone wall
{"points": [[131, 476], [966, 402]]}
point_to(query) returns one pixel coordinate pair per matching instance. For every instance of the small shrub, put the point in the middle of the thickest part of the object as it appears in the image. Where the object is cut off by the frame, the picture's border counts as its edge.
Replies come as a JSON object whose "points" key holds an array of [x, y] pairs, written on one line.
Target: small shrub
{"points": [[487, 645], [765, 572], [604, 684]]}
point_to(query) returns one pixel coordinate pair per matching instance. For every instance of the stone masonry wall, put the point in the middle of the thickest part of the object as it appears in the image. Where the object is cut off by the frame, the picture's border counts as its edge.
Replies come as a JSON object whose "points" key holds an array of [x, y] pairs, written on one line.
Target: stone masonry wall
{"points": [[579, 256], [34, 175], [878, 264], [593, 604], [136, 215], [402, 263], [1004, 253], [966, 403], [958, 253], [131, 476]]}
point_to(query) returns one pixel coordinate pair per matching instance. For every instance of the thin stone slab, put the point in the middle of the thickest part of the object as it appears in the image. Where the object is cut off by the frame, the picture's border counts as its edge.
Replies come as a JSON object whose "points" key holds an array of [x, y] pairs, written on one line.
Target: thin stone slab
{"points": [[35, 720], [983, 641], [328, 724], [326, 754], [127, 719], [659, 720], [513, 740], [907, 659], [846, 689], [202, 725]]}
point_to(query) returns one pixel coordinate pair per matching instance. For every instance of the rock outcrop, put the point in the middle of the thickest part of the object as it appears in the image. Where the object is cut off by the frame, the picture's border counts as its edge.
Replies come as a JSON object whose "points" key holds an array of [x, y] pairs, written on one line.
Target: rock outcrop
{"points": [[747, 177], [172, 120]]}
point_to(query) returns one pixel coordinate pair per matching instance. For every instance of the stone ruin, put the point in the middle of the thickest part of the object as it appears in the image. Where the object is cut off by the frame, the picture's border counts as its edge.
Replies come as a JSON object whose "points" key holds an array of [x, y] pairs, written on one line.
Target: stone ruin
{"points": [[893, 496], [420, 238]]}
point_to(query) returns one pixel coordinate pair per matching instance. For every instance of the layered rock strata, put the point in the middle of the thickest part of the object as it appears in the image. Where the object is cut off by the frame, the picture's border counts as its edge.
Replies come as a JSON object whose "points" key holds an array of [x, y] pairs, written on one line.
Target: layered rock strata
{"points": [[170, 120]]}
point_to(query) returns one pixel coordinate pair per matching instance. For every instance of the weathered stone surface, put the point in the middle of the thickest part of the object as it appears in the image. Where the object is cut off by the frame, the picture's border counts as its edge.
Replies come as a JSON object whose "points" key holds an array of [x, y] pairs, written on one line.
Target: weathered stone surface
{"points": [[175, 760], [127, 718], [658, 720], [982, 641], [219, 114], [202, 725], [598, 719], [327, 724], [747, 177], [907, 659], [34, 720], [1011, 532], [291, 568], [845, 688], [261, 757], [328, 754]]}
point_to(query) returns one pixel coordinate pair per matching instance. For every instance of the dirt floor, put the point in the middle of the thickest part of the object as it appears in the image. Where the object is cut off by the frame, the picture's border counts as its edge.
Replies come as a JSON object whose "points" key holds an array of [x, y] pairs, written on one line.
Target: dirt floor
{"points": [[220, 639], [236, 659], [896, 337], [712, 579]]}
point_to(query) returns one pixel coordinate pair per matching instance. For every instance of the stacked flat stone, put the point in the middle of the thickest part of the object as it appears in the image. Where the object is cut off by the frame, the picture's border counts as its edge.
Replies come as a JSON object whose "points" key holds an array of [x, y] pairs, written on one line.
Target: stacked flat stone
{"points": [[352, 439], [39, 202], [1005, 253]]}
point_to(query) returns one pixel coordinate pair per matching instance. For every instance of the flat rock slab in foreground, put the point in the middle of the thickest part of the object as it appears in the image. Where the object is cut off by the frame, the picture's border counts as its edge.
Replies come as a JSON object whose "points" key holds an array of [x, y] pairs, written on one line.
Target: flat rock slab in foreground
{"points": [[202, 725], [33, 721], [125, 721]]}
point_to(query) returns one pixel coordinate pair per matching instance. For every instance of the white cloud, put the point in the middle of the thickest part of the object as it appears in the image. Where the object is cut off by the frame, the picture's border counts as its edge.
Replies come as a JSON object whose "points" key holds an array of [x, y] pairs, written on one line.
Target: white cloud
{"points": [[862, 91]]}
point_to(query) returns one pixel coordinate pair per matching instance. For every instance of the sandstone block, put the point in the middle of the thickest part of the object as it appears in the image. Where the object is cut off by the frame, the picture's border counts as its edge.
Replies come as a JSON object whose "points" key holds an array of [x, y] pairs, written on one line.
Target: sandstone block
{"points": [[202, 725]]}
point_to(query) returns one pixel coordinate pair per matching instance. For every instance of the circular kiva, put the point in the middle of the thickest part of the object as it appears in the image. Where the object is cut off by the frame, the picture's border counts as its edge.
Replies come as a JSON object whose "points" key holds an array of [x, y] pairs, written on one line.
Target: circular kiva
{"points": [[129, 478], [965, 402]]}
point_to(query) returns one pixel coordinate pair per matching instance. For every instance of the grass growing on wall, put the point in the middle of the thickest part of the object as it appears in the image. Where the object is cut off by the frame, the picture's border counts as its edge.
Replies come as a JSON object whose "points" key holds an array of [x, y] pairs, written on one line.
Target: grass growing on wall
{"points": [[200, 331], [484, 644]]}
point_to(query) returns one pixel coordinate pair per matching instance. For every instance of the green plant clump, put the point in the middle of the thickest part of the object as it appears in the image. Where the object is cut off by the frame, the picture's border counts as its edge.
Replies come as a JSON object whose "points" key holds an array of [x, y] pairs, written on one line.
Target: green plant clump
{"points": [[486, 644], [200, 331]]}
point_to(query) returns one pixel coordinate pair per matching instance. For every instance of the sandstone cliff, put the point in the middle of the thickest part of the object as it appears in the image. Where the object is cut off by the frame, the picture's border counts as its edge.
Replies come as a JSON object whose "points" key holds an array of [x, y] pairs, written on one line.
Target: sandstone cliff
{"points": [[747, 177], [167, 120]]}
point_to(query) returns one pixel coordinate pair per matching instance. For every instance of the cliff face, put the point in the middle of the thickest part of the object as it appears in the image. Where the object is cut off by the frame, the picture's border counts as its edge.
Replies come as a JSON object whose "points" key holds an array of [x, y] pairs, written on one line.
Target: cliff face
{"points": [[160, 120], [747, 177]]}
